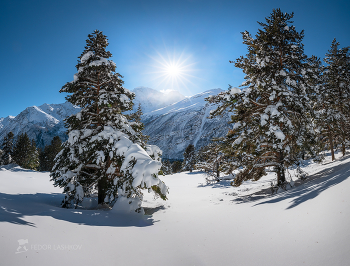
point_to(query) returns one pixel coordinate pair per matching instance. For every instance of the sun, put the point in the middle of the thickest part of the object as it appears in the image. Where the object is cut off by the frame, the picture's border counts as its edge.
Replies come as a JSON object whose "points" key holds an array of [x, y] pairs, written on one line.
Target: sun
{"points": [[173, 71]]}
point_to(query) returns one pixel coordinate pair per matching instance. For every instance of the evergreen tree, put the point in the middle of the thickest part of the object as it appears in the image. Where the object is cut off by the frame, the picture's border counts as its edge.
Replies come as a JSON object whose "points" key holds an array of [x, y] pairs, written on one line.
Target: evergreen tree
{"points": [[21, 149], [189, 158], [1, 154], [49, 153], [211, 161], [33, 158], [326, 117], [25, 153], [336, 92], [167, 167], [137, 125], [154, 152], [102, 154], [7, 147], [176, 166], [272, 114]]}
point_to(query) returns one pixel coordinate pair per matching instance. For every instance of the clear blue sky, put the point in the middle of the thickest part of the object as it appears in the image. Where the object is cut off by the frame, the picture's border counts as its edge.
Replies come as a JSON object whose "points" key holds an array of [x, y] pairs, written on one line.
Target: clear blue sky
{"points": [[41, 40]]}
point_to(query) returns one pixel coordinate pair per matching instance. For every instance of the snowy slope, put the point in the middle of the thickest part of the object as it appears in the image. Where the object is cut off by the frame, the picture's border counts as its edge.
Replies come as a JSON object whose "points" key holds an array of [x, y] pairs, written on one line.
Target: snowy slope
{"points": [[193, 103], [4, 121], [200, 224], [151, 99], [176, 126]]}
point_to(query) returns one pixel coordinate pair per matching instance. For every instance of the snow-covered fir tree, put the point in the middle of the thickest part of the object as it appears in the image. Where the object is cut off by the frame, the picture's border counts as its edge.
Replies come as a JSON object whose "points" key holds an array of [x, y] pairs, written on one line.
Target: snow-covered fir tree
{"points": [[189, 158], [7, 146], [336, 92], [154, 152], [271, 114], [326, 117], [103, 153]]}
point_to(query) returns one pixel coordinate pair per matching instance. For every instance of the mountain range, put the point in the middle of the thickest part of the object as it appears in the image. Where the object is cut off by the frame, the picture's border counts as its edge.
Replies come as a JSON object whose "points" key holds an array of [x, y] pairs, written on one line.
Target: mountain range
{"points": [[172, 120]]}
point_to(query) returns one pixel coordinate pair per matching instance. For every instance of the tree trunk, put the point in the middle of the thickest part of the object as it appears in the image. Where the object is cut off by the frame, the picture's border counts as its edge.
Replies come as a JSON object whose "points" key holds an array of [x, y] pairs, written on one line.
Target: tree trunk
{"points": [[281, 178], [331, 143], [217, 171], [102, 187]]}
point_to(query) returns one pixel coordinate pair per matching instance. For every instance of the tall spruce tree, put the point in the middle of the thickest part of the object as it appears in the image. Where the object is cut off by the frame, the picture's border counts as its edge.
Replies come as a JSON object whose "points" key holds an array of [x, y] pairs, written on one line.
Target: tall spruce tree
{"points": [[103, 153], [326, 117], [7, 147], [337, 92], [271, 115]]}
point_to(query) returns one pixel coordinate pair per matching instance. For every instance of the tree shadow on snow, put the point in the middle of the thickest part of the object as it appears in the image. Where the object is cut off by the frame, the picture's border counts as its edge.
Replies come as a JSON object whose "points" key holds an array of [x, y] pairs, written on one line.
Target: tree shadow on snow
{"points": [[16, 168], [214, 184], [310, 188], [16, 208], [195, 173]]}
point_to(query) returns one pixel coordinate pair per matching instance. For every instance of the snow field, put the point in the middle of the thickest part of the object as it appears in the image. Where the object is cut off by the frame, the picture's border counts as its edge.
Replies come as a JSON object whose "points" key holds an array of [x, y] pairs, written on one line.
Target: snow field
{"points": [[200, 224]]}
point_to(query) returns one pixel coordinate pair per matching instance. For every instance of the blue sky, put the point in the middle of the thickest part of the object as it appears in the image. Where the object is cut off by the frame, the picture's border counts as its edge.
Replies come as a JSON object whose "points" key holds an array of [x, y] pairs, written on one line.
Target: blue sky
{"points": [[41, 40]]}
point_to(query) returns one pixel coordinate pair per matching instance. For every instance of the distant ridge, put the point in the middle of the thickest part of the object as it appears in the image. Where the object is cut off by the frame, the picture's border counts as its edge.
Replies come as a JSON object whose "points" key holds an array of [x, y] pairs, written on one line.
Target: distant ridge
{"points": [[172, 121]]}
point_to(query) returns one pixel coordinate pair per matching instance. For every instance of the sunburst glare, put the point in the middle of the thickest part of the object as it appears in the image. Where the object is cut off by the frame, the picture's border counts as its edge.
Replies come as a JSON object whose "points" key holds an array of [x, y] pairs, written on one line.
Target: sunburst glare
{"points": [[174, 72]]}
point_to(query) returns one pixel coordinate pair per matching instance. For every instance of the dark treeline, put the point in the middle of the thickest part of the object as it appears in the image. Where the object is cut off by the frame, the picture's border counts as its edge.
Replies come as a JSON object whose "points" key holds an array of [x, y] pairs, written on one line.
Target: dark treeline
{"points": [[24, 152]]}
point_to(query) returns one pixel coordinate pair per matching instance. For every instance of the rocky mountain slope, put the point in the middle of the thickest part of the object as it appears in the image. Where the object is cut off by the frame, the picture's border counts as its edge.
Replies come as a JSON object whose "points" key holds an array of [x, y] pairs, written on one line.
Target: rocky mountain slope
{"points": [[41, 123], [172, 121], [174, 127]]}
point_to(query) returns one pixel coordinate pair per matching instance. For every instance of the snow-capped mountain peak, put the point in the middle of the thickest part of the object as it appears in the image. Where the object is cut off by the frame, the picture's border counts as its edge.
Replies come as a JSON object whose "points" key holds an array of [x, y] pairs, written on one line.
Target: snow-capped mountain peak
{"points": [[41, 123]]}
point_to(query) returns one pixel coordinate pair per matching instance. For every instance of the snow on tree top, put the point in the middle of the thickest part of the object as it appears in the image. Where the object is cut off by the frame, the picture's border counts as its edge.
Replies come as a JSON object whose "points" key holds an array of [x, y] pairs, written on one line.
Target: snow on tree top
{"points": [[86, 56]]}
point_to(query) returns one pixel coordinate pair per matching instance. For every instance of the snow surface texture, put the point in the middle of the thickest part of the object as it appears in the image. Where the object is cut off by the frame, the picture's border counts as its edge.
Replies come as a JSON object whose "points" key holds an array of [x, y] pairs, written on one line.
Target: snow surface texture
{"points": [[171, 122], [200, 224]]}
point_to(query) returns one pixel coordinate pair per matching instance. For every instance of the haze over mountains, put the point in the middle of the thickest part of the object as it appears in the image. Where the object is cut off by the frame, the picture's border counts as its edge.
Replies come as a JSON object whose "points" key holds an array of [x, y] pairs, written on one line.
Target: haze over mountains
{"points": [[172, 120]]}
